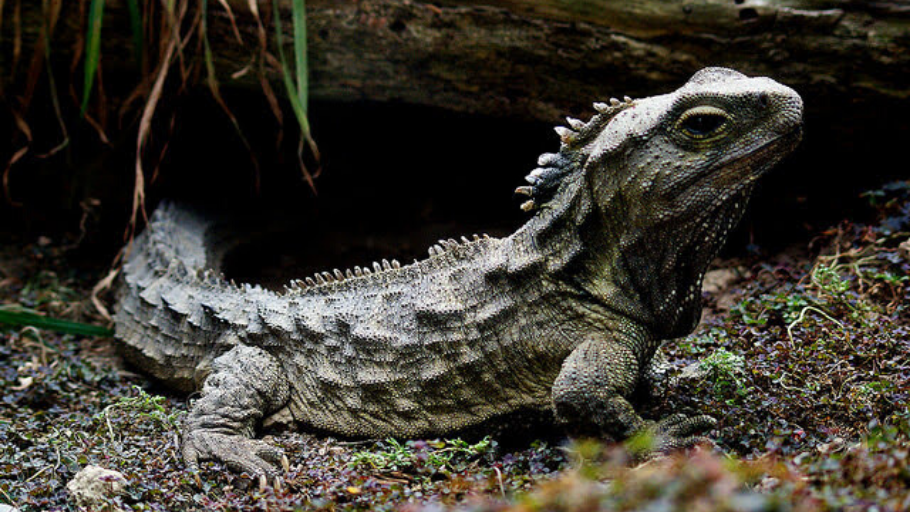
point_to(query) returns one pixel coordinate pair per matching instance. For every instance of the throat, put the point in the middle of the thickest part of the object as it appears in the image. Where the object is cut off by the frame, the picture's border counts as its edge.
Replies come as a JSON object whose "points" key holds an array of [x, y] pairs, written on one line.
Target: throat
{"points": [[622, 267]]}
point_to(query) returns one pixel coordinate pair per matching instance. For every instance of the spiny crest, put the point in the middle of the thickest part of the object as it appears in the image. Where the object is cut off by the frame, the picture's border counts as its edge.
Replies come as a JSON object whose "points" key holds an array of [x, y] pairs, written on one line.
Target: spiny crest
{"points": [[337, 276], [544, 180], [446, 245]]}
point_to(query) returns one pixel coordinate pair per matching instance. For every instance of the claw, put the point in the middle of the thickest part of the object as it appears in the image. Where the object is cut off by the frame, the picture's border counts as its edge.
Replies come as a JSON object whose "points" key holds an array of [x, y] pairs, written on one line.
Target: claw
{"points": [[285, 463], [237, 452], [667, 423], [674, 432]]}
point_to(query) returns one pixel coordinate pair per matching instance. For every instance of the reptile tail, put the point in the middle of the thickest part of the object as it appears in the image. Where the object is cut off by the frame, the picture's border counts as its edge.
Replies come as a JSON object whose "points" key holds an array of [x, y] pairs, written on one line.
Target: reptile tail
{"points": [[169, 278]]}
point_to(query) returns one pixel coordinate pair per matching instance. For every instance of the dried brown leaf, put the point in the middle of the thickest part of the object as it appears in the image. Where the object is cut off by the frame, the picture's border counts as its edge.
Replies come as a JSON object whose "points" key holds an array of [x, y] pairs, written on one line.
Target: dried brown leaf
{"points": [[230, 14]]}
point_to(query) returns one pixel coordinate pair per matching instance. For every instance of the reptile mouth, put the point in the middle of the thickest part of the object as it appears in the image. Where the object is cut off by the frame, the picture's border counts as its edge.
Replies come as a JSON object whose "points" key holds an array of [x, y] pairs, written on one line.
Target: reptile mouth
{"points": [[740, 171], [785, 142], [751, 166]]}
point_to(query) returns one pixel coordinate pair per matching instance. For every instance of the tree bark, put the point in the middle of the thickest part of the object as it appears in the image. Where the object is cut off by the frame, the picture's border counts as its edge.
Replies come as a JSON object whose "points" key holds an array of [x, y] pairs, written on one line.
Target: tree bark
{"points": [[536, 59], [541, 59]]}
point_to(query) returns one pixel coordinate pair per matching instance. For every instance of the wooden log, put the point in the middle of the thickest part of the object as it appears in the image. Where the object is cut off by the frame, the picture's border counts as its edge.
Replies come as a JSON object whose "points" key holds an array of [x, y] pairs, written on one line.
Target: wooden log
{"points": [[531, 60], [545, 58]]}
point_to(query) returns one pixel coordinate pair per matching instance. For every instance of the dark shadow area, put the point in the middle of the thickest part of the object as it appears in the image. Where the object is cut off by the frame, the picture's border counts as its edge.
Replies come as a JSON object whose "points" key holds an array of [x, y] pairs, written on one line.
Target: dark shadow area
{"points": [[394, 179]]}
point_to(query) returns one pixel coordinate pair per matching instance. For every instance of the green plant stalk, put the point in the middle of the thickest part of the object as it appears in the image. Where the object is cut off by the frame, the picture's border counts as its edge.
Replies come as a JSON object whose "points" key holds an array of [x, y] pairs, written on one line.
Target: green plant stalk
{"points": [[300, 53], [293, 92], [92, 50], [136, 27], [17, 316]]}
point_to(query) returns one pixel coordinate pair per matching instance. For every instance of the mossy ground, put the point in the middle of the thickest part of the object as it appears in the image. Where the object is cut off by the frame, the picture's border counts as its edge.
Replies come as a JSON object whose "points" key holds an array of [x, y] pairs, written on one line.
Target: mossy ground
{"points": [[804, 362]]}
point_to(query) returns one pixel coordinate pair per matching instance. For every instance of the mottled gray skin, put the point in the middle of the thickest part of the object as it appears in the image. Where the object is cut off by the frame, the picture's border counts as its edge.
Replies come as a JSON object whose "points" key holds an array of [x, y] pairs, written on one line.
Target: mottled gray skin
{"points": [[563, 316]]}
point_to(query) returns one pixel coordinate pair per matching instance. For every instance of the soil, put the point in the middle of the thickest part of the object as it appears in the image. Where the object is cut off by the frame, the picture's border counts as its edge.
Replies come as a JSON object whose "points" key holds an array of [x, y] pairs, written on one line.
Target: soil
{"points": [[802, 356]]}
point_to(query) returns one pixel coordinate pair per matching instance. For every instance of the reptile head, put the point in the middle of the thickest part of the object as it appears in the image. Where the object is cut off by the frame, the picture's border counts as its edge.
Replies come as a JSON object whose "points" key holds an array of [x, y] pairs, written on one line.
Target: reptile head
{"points": [[682, 155], [653, 186], [684, 150], [672, 175]]}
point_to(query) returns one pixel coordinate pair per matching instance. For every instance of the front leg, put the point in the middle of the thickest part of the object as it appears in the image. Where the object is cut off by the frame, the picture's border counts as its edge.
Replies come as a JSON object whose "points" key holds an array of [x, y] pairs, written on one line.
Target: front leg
{"points": [[592, 391], [246, 384]]}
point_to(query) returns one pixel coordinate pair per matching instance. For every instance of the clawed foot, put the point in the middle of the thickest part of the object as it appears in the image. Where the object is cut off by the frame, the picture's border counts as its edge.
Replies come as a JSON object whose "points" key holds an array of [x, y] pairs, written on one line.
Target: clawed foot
{"points": [[238, 453], [674, 432]]}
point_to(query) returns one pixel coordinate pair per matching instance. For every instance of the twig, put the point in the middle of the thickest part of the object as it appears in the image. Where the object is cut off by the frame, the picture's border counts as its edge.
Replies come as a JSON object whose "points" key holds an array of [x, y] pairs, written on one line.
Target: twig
{"points": [[802, 316], [502, 489]]}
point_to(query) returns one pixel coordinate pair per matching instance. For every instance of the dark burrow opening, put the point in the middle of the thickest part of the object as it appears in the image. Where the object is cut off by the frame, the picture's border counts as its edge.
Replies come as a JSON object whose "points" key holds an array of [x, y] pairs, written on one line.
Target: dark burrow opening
{"points": [[395, 178]]}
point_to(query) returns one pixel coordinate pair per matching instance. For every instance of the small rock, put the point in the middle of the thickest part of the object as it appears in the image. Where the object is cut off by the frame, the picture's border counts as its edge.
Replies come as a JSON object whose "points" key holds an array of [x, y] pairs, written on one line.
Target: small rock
{"points": [[834, 445], [695, 371], [904, 249], [94, 486], [718, 280], [280, 420], [768, 484]]}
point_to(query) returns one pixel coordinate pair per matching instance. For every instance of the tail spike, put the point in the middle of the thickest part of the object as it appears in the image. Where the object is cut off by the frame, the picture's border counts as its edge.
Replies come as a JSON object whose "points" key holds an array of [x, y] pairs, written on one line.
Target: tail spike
{"points": [[328, 277], [386, 265], [465, 240], [349, 273], [627, 99], [395, 264], [527, 206], [377, 267], [319, 279], [615, 102], [603, 108], [358, 271], [338, 275]]}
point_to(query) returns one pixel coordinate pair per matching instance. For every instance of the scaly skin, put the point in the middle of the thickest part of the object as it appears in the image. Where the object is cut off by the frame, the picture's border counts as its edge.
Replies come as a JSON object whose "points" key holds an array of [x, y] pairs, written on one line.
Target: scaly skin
{"points": [[563, 316]]}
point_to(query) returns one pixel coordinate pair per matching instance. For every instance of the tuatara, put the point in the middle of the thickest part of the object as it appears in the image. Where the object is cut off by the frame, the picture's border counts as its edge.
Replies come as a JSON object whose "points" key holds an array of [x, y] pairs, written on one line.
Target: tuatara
{"points": [[564, 316]]}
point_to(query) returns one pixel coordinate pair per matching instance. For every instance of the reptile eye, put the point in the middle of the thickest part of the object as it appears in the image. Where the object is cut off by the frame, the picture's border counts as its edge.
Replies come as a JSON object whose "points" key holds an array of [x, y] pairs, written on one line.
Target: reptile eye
{"points": [[702, 122]]}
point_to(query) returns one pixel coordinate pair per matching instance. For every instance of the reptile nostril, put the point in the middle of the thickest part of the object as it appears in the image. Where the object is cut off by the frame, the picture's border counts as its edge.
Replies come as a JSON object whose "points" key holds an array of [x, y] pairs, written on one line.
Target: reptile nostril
{"points": [[763, 99]]}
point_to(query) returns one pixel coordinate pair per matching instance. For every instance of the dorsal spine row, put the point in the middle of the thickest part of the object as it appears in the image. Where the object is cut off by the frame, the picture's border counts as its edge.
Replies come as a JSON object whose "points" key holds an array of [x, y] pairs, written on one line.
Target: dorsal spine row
{"points": [[337, 276], [544, 180]]}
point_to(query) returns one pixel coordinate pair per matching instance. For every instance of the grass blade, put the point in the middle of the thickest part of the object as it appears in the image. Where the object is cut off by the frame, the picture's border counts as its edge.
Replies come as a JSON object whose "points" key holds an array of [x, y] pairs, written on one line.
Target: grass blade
{"points": [[297, 92], [300, 53], [23, 317], [92, 49], [292, 91], [136, 27]]}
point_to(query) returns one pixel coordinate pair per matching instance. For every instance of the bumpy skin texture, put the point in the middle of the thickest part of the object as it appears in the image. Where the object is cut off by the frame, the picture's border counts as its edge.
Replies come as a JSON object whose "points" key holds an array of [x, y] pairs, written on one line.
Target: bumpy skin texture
{"points": [[565, 315]]}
